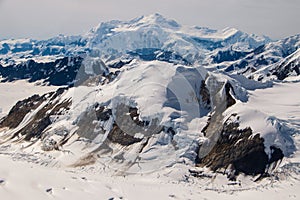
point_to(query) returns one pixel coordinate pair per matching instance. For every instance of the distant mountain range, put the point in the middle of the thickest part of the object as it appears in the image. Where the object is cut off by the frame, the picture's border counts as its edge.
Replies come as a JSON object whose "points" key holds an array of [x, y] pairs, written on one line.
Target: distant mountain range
{"points": [[154, 37]]}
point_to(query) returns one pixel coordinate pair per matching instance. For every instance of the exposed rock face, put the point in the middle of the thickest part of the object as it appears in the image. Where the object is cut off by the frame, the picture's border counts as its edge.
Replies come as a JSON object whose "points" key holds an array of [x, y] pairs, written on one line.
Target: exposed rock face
{"points": [[205, 95], [22, 108], [228, 55], [91, 123], [229, 99], [45, 107], [73, 70], [127, 124], [241, 151], [119, 64], [149, 54], [213, 128], [116, 135]]}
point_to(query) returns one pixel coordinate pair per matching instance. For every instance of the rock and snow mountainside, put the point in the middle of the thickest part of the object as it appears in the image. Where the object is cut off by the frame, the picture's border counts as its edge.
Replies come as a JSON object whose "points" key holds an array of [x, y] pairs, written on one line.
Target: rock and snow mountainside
{"points": [[151, 116], [151, 96]]}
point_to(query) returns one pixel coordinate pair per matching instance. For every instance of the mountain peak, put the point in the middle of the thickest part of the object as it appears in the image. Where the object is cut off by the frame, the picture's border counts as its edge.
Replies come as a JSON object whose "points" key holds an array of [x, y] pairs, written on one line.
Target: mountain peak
{"points": [[157, 19]]}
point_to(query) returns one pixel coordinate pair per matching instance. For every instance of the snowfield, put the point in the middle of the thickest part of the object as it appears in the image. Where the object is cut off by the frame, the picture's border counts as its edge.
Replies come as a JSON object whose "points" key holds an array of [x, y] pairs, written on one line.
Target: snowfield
{"points": [[281, 101], [28, 181]]}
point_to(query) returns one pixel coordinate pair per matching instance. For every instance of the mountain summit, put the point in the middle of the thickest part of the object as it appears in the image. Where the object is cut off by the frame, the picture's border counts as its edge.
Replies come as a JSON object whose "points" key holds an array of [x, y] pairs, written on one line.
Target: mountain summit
{"points": [[156, 32]]}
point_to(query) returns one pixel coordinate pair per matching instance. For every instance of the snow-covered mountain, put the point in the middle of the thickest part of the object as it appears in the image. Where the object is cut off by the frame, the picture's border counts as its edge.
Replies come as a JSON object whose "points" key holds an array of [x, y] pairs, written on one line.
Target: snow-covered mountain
{"points": [[154, 37], [150, 37], [156, 33], [149, 116], [151, 96]]}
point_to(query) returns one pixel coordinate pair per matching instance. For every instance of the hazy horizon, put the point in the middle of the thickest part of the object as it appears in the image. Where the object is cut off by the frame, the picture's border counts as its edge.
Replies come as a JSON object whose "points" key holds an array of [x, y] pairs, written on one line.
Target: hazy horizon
{"points": [[41, 19]]}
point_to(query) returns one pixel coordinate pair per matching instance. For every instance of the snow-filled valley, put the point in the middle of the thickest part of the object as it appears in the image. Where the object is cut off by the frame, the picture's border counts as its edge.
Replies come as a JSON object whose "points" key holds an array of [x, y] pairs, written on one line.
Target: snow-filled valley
{"points": [[148, 108]]}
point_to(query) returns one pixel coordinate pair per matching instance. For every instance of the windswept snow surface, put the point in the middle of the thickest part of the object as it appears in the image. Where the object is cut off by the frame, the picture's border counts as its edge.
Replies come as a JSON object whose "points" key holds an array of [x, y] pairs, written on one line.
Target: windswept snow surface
{"points": [[28, 181], [282, 100]]}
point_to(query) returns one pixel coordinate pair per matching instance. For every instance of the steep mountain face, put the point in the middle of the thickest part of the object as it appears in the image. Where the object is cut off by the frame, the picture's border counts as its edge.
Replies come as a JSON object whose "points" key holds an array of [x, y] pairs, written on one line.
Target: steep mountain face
{"points": [[150, 94], [163, 35]]}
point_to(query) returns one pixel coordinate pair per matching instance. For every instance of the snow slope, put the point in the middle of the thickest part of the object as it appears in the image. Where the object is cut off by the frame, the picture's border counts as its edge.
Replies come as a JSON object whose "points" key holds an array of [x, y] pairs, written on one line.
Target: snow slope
{"points": [[281, 101], [12, 92]]}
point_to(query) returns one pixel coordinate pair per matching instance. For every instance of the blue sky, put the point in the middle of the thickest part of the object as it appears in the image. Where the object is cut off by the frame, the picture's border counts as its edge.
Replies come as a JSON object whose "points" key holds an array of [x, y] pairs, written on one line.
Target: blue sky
{"points": [[42, 19]]}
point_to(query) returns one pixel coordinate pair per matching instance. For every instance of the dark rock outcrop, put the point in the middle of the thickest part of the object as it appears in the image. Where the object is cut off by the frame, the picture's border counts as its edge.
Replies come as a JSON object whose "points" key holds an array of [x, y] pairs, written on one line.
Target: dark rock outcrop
{"points": [[127, 124], [116, 135], [205, 95], [228, 55], [119, 64], [41, 119], [229, 99], [239, 151], [22, 108], [149, 54]]}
